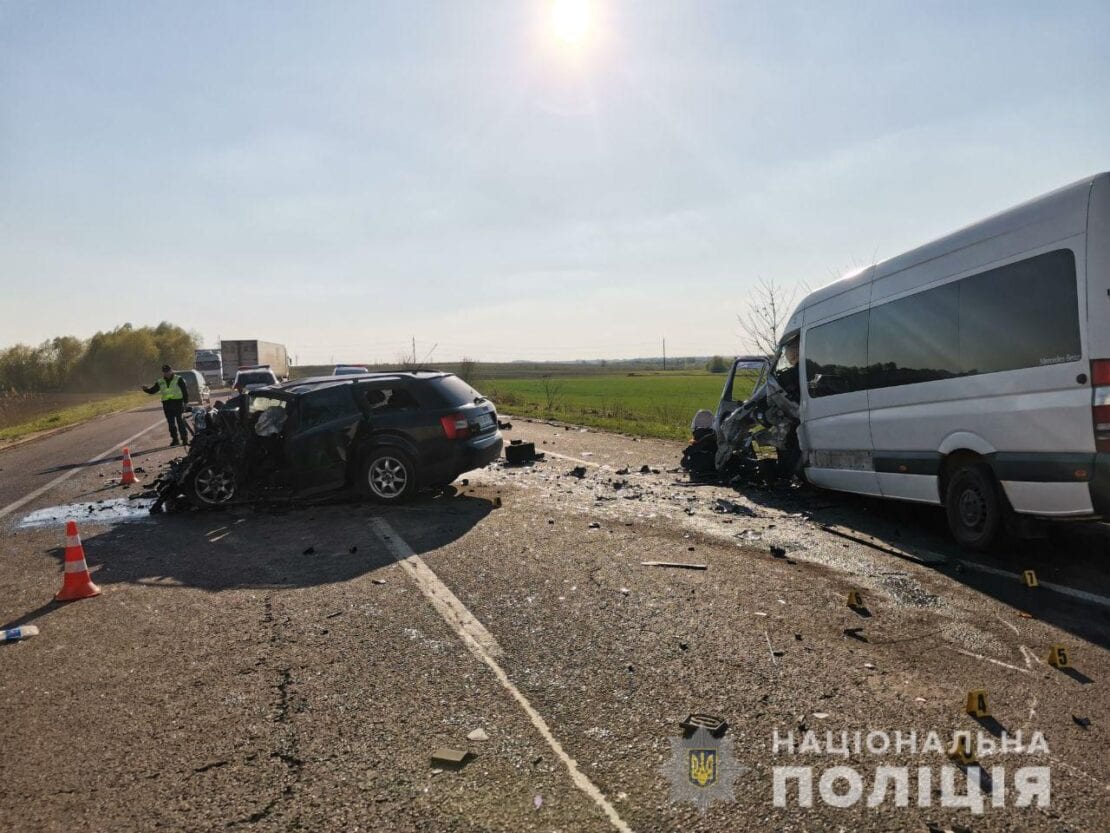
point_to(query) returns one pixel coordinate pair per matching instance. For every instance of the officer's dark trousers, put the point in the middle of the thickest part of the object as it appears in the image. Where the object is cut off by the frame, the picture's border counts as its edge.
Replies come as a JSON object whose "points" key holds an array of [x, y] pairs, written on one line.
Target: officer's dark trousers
{"points": [[174, 409]]}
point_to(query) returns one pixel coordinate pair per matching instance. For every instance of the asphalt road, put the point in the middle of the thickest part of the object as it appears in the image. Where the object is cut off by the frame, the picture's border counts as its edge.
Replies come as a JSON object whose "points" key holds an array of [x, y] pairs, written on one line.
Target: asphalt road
{"points": [[295, 670]]}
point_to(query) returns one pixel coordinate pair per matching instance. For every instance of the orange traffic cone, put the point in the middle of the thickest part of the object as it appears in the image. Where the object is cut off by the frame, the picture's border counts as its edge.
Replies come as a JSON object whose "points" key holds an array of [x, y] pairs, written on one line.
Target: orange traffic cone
{"points": [[128, 478], [77, 584]]}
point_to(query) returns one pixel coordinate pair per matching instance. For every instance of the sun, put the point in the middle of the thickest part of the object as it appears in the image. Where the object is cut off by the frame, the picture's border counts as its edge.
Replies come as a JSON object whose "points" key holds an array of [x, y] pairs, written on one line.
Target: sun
{"points": [[571, 20]]}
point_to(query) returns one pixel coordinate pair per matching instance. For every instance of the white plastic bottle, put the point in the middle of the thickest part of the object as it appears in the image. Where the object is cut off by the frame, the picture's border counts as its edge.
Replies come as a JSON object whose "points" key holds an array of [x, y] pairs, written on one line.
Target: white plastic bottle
{"points": [[12, 634]]}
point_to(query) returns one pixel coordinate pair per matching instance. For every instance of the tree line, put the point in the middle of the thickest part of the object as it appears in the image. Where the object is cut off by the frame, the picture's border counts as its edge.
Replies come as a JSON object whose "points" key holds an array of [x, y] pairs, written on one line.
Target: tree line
{"points": [[108, 361]]}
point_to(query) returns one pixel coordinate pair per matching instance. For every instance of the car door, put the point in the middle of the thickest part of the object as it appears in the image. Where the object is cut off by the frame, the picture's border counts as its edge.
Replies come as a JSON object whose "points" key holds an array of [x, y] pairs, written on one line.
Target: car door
{"points": [[318, 448], [729, 401]]}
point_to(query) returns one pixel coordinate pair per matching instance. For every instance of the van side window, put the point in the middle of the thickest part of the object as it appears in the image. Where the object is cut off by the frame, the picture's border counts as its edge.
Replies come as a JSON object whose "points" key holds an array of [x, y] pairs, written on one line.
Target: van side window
{"points": [[1025, 314], [836, 356], [915, 339]]}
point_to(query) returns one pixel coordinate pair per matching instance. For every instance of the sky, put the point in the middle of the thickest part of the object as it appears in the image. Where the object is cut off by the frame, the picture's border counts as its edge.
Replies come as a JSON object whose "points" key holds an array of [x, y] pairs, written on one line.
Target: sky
{"points": [[508, 180]]}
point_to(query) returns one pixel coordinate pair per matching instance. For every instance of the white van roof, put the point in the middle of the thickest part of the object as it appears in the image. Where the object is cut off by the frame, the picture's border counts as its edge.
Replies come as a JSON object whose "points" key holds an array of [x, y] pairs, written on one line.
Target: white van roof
{"points": [[1066, 207]]}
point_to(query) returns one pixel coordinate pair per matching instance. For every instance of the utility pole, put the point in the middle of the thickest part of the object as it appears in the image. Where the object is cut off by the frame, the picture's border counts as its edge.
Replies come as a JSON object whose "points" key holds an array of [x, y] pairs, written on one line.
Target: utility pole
{"points": [[414, 351], [664, 352]]}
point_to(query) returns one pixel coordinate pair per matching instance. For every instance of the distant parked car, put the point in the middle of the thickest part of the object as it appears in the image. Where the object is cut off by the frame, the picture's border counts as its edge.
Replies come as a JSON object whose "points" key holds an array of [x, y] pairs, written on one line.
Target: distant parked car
{"points": [[253, 378], [349, 370], [199, 392], [386, 435]]}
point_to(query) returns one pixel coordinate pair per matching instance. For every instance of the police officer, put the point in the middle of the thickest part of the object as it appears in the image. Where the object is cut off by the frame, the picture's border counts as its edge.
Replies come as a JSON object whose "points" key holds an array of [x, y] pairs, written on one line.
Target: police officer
{"points": [[174, 396]]}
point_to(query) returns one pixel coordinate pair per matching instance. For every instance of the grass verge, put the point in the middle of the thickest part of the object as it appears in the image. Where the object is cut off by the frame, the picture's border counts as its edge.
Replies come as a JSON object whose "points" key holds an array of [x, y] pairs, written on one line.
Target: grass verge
{"points": [[72, 416]]}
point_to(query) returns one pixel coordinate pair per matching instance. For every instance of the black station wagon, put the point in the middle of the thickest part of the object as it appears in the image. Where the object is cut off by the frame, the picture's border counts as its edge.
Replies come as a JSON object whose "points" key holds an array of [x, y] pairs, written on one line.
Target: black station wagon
{"points": [[384, 434]]}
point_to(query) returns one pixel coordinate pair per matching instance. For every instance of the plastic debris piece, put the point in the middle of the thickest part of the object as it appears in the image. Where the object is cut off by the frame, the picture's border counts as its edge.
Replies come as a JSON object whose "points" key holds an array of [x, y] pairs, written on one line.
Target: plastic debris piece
{"points": [[14, 634], [450, 758], [716, 726], [677, 564]]}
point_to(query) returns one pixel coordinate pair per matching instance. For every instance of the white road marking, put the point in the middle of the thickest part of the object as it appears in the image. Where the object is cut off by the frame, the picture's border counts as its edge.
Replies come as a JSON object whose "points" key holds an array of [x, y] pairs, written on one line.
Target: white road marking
{"points": [[989, 659], [61, 478], [477, 638], [1093, 598], [1029, 657]]}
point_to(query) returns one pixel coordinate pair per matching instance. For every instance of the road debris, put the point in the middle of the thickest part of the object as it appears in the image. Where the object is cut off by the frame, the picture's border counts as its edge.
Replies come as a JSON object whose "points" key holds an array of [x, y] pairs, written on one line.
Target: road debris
{"points": [[15, 634], [678, 564], [479, 735], [1082, 722], [728, 507], [716, 726], [577, 471], [856, 633], [448, 758], [309, 551], [520, 453], [778, 552]]}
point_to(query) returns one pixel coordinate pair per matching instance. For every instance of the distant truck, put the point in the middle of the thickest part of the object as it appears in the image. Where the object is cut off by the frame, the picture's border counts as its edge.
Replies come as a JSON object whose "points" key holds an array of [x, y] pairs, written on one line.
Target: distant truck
{"points": [[242, 352], [211, 366]]}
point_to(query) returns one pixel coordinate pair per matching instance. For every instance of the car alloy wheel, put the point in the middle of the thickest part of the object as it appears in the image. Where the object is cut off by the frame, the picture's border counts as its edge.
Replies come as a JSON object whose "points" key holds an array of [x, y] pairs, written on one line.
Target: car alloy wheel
{"points": [[387, 477], [214, 484]]}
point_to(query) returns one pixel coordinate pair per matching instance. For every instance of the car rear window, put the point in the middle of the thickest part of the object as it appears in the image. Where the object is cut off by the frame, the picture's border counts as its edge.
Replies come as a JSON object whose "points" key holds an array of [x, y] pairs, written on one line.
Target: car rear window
{"points": [[264, 377], [454, 391]]}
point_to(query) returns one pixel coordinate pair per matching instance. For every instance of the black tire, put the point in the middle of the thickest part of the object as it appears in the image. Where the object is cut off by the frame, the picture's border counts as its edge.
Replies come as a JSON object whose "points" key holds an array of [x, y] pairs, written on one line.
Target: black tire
{"points": [[388, 475], [975, 509]]}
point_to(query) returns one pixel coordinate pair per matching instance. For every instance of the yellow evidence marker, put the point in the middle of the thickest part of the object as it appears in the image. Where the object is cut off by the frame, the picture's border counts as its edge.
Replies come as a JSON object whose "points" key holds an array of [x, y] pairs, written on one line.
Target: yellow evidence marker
{"points": [[1030, 579], [962, 750], [855, 600], [977, 703], [1058, 657]]}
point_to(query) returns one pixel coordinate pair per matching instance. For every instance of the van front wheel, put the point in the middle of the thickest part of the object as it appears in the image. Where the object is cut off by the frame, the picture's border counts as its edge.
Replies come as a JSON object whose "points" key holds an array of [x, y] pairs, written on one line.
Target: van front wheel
{"points": [[973, 506]]}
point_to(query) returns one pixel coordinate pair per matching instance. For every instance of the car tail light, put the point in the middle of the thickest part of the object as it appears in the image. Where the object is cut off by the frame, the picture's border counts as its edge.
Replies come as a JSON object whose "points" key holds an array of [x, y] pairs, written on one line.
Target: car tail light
{"points": [[455, 426], [1100, 403]]}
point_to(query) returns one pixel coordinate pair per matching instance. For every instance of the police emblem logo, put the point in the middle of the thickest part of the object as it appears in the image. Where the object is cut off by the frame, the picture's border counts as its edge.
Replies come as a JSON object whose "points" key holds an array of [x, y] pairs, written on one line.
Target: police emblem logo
{"points": [[703, 767]]}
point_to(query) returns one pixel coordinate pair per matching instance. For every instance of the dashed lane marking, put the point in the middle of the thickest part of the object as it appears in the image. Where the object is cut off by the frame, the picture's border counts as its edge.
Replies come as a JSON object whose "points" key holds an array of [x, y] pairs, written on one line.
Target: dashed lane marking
{"points": [[61, 478], [482, 645]]}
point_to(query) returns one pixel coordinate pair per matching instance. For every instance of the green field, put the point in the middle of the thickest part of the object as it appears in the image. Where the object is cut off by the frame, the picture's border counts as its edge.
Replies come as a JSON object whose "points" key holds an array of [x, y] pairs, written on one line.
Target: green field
{"points": [[42, 413], [650, 404]]}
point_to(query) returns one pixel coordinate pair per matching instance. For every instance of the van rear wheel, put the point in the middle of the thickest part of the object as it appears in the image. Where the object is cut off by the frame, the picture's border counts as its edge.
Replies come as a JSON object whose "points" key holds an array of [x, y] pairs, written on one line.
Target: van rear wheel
{"points": [[974, 507]]}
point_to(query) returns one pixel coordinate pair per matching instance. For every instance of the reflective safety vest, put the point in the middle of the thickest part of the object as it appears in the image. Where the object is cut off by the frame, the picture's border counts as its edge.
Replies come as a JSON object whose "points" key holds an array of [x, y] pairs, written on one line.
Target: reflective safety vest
{"points": [[171, 389]]}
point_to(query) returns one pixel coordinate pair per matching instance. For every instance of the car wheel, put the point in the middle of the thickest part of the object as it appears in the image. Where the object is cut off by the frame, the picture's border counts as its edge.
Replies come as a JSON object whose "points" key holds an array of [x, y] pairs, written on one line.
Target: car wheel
{"points": [[974, 507], [212, 485], [388, 476]]}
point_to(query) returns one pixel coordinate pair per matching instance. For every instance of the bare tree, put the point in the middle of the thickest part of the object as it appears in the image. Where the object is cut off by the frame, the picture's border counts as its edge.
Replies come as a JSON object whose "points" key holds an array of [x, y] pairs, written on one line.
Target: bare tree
{"points": [[468, 370], [770, 308], [551, 389]]}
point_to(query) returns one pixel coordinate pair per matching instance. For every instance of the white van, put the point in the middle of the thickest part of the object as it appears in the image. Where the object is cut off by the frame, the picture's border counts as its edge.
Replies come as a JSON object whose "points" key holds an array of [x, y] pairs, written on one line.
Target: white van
{"points": [[972, 372]]}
